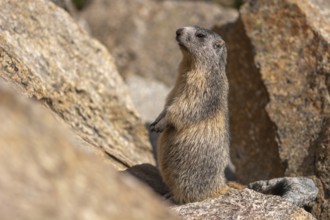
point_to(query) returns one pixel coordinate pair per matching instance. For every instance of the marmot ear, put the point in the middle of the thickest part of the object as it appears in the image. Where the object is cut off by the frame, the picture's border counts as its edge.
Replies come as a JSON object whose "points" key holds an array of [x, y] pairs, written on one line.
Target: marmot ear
{"points": [[218, 44]]}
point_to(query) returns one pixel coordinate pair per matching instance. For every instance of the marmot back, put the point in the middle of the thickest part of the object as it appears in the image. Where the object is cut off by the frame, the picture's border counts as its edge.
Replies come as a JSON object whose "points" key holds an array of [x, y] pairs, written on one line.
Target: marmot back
{"points": [[193, 149]]}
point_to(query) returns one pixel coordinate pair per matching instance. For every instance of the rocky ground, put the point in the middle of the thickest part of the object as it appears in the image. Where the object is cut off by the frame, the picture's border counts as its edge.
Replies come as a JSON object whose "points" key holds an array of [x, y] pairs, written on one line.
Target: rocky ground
{"points": [[78, 86]]}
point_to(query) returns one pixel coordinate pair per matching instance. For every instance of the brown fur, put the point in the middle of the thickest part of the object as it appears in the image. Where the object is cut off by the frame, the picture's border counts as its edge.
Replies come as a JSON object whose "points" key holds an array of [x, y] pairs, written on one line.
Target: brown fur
{"points": [[193, 149]]}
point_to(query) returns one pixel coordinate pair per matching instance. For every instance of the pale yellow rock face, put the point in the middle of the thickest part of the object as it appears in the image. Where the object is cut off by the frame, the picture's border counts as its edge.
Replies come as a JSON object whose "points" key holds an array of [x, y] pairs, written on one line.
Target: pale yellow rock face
{"points": [[47, 56]]}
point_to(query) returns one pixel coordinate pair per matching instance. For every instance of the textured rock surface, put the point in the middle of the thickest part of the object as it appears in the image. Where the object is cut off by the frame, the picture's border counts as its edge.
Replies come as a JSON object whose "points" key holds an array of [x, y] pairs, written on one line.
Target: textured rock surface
{"points": [[322, 171], [140, 34], [254, 149], [72, 10], [300, 191], [245, 205], [45, 55], [294, 60], [288, 54], [228, 3], [44, 175], [295, 68]]}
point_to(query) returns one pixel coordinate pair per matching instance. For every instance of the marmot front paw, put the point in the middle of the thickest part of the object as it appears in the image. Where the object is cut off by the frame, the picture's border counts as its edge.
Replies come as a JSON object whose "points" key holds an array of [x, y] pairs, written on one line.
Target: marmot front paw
{"points": [[158, 126]]}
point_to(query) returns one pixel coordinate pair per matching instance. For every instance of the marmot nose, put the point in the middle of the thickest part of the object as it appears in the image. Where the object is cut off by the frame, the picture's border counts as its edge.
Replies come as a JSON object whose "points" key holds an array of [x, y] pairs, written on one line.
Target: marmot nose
{"points": [[179, 32]]}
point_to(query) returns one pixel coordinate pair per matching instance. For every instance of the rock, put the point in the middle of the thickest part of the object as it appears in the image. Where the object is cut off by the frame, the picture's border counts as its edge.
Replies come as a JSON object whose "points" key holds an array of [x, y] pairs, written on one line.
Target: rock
{"points": [[47, 56], [294, 66], [227, 3], [148, 96], [253, 149], [46, 175], [149, 175], [141, 34], [322, 171], [286, 51], [245, 205], [66, 5], [72, 10], [300, 191]]}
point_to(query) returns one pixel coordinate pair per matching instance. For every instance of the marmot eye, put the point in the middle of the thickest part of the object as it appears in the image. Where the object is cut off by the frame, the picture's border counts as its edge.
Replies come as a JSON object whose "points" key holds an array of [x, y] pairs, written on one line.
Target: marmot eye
{"points": [[200, 35]]}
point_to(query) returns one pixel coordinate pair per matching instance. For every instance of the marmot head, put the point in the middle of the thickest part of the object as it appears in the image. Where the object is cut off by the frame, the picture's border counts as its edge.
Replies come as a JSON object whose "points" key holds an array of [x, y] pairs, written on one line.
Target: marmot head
{"points": [[201, 44]]}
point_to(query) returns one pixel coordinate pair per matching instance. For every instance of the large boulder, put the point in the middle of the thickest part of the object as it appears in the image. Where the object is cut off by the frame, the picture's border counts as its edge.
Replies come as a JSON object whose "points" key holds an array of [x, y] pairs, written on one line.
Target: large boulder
{"points": [[254, 150], [292, 54], [279, 72], [244, 205], [141, 33], [46, 175], [47, 56]]}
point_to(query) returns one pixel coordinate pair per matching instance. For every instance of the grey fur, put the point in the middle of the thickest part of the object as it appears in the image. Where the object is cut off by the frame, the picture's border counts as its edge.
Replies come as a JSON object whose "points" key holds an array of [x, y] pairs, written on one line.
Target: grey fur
{"points": [[193, 150]]}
